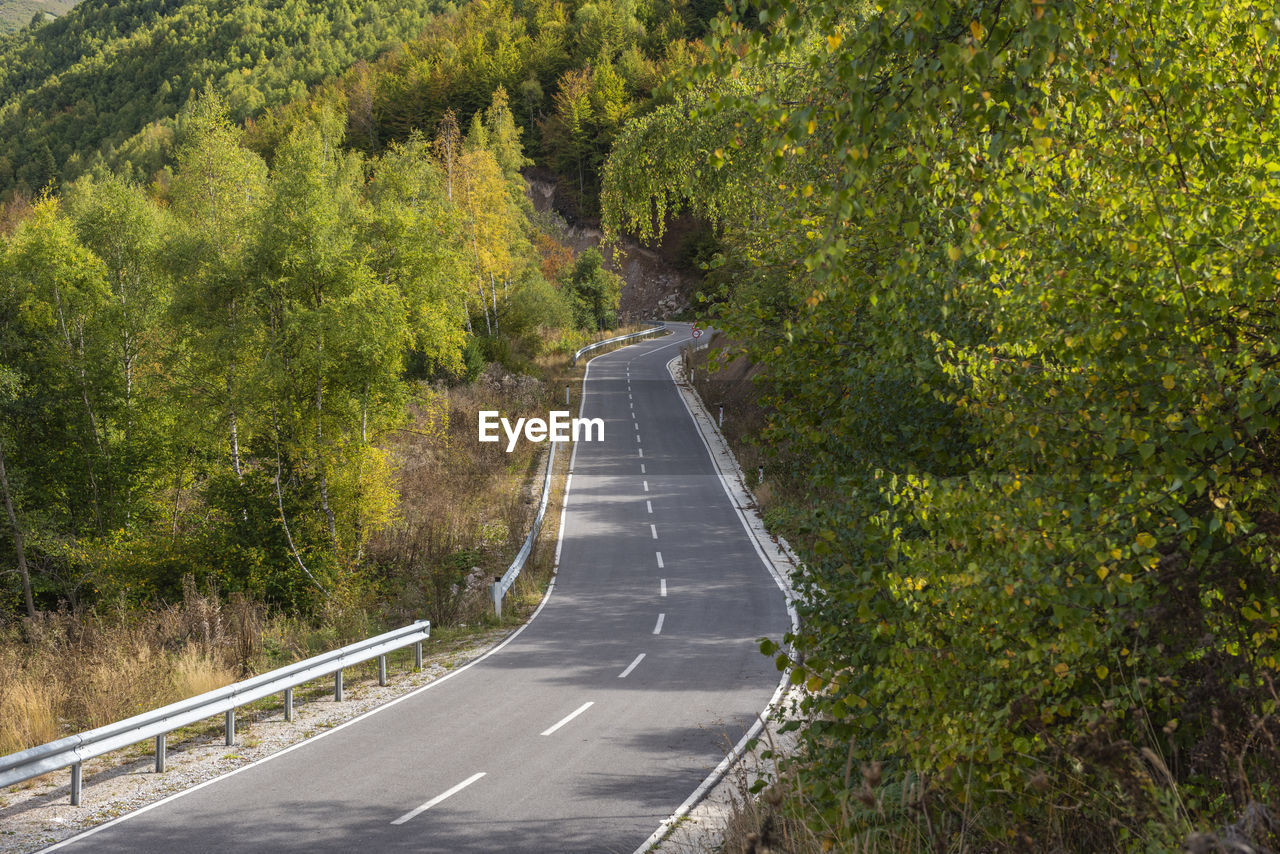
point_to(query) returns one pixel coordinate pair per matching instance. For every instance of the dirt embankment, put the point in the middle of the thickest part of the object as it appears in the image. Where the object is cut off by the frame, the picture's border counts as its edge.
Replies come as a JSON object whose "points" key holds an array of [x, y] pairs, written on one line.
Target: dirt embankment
{"points": [[655, 286]]}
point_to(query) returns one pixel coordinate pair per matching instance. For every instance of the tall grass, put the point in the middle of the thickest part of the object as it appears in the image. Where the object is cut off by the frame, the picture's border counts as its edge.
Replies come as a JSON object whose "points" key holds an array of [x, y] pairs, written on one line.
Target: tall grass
{"points": [[66, 672], [27, 710]]}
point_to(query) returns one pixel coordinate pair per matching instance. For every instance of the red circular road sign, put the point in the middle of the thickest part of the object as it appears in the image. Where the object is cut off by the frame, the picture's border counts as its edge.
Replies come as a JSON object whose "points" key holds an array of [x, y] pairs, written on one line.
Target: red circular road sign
{"points": [[697, 333]]}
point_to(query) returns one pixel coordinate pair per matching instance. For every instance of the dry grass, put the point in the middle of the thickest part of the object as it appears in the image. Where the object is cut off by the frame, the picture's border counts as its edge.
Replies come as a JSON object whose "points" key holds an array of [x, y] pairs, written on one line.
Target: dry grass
{"points": [[465, 506], [195, 672], [62, 673], [27, 711]]}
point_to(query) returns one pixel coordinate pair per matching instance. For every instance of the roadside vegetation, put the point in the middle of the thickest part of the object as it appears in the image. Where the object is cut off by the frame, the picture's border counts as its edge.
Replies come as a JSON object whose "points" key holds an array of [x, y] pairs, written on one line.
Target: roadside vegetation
{"points": [[1005, 275]]}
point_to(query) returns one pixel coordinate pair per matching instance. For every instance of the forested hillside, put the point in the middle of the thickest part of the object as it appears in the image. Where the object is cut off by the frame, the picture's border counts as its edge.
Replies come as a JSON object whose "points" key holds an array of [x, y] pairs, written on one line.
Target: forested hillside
{"points": [[74, 92], [198, 384], [107, 84], [1008, 274], [575, 74]]}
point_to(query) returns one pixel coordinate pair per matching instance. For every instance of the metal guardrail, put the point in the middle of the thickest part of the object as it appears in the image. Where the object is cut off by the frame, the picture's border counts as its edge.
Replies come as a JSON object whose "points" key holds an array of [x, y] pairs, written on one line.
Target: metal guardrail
{"points": [[73, 750], [658, 326], [501, 585]]}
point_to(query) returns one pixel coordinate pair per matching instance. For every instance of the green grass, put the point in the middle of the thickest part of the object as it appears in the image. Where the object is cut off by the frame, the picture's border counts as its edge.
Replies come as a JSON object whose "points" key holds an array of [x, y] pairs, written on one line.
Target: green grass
{"points": [[16, 14]]}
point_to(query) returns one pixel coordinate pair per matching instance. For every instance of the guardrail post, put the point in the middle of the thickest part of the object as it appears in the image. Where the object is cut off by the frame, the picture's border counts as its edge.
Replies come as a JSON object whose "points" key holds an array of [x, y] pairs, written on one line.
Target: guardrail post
{"points": [[231, 727], [337, 687], [382, 670], [720, 420], [417, 656], [288, 704], [77, 783], [160, 753], [495, 590]]}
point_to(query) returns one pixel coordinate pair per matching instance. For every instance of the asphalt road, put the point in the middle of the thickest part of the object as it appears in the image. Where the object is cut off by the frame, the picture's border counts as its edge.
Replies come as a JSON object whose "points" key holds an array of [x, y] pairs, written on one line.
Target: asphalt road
{"points": [[564, 740]]}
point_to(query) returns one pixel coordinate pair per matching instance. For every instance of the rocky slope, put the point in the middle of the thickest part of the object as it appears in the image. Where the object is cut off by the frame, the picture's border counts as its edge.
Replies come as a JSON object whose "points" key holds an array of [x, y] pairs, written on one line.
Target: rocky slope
{"points": [[655, 286]]}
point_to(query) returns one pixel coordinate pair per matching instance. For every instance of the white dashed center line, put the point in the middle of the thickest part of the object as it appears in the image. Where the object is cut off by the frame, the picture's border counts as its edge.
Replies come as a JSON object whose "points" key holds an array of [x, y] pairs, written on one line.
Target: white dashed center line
{"points": [[568, 718], [653, 529], [662, 587], [631, 666], [438, 798], [657, 630], [661, 565]]}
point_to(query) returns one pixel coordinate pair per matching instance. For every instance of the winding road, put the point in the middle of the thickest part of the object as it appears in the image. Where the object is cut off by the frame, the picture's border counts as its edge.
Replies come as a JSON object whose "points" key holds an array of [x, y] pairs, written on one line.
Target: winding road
{"points": [[584, 731]]}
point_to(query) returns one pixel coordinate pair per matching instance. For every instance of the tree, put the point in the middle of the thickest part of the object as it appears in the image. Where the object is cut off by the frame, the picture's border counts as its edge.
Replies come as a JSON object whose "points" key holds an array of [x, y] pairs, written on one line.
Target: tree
{"points": [[567, 131], [116, 222], [336, 331], [217, 196], [416, 245], [8, 390], [594, 292], [58, 290]]}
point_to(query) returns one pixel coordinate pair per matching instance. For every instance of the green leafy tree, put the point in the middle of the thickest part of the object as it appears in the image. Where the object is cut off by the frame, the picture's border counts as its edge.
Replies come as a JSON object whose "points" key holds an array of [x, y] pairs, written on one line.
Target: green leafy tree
{"points": [[594, 292], [126, 231], [218, 195], [336, 332], [416, 245], [567, 131]]}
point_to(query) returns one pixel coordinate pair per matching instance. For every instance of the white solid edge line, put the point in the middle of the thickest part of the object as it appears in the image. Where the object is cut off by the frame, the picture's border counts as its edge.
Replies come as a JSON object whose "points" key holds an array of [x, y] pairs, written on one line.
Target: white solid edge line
{"points": [[545, 598], [632, 666], [568, 717], [657, 629], [568, 480], [740, 748], [438, 798], [564, 505]]}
